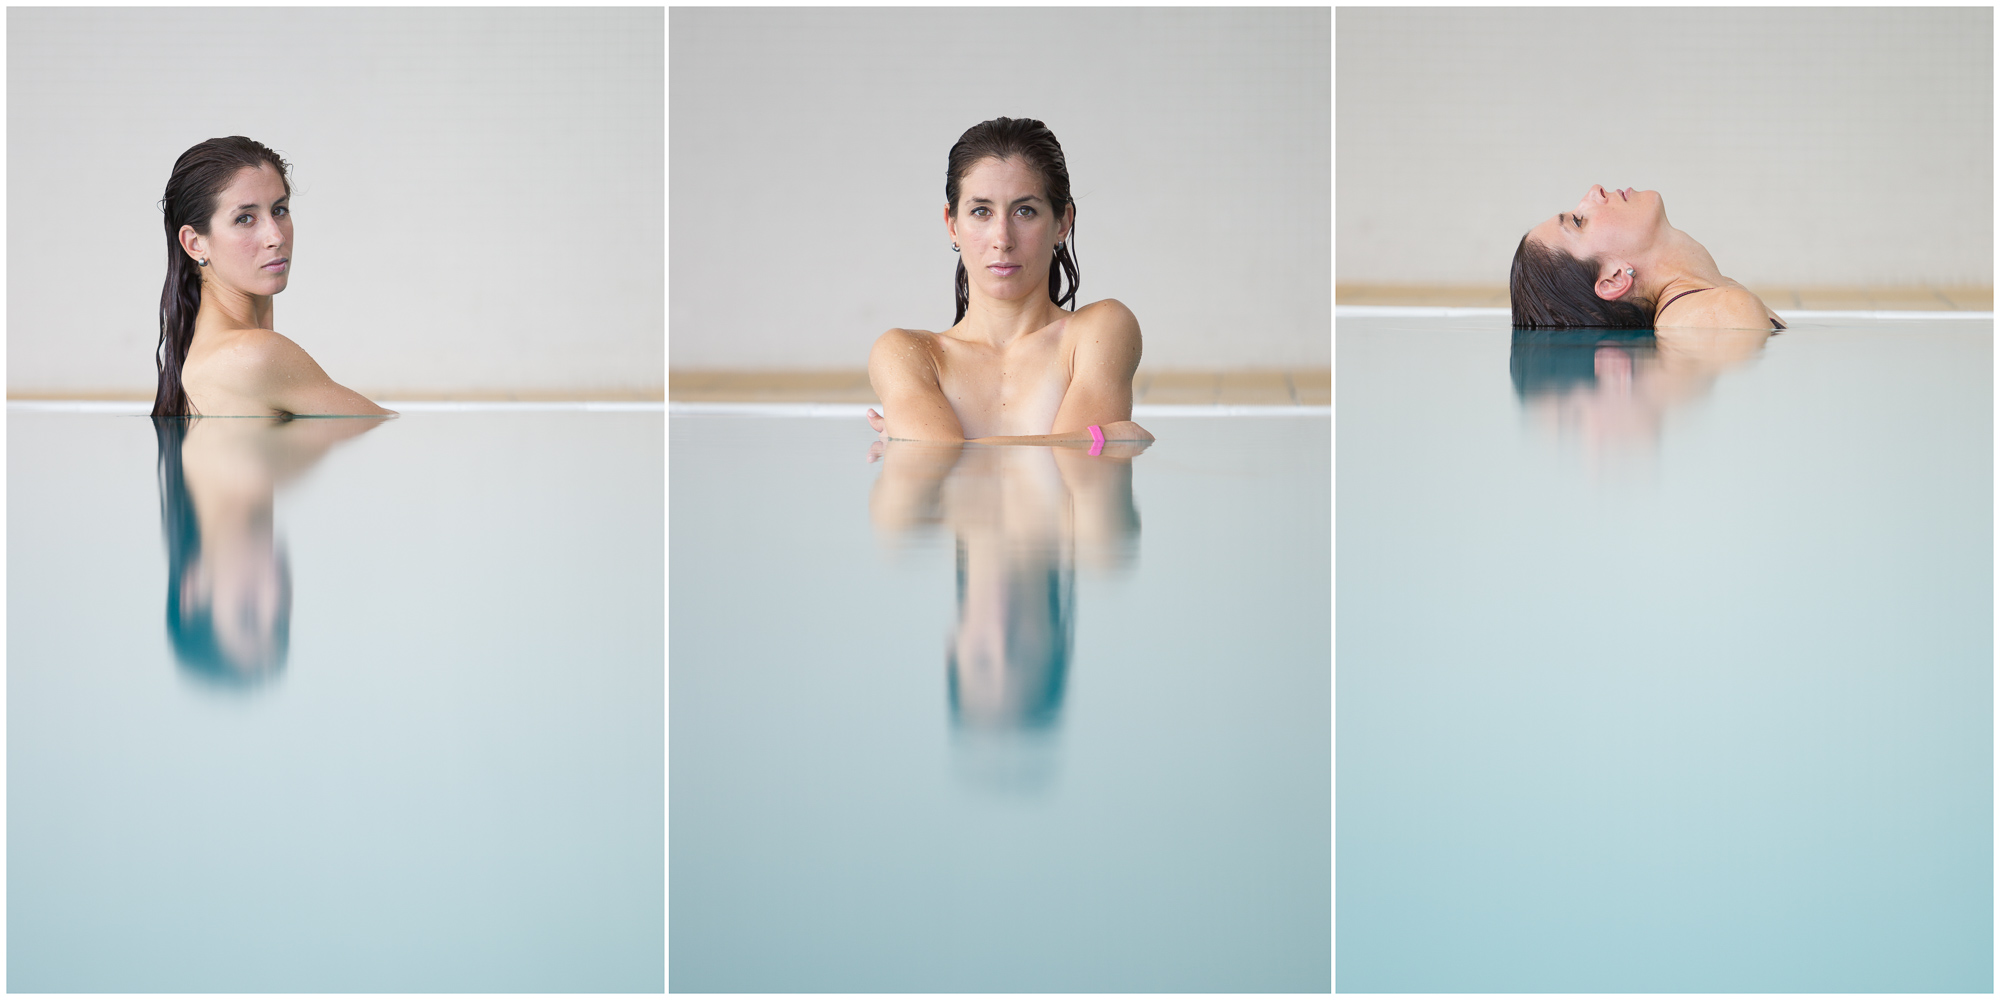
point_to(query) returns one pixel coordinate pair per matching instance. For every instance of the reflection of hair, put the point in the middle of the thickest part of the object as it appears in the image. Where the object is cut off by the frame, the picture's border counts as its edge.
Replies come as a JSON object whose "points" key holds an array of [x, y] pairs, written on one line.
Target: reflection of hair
{"points": [[193, 635], [198, 179], [1550, 288], [1000, 139], [1035, 674], [1551, 361]]}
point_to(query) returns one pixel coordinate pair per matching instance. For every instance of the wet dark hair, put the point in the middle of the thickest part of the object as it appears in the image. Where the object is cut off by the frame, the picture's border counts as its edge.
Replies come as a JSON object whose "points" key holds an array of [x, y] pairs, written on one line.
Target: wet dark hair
{"points": [[198, 179], [1550, 288], [1030, 140], [193, 636]]}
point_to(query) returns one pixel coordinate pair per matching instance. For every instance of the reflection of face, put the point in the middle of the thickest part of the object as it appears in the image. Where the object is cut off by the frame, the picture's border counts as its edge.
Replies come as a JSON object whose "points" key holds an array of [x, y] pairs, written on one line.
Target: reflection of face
{"points": [[1005, 229], [1011, 651], [1604, 223], [250, 230], [1003, 663], [244, 600], [1615, 411]]}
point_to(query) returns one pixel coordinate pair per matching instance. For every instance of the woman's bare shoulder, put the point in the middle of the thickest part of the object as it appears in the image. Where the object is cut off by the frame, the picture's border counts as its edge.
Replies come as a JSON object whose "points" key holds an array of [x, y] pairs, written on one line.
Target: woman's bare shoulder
{"points": [[1726, 307], [1107, 311], [1104, 320]]}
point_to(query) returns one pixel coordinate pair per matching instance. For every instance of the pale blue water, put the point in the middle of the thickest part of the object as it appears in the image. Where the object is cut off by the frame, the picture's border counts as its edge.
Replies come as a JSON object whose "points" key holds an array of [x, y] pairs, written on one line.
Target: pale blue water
{"points": [[452, 780], [876, 786], [1660, 672]]}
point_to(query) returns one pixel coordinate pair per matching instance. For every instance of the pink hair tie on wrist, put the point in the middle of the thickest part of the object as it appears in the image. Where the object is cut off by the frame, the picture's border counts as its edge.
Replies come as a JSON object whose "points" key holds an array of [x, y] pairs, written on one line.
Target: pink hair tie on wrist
{"points": [[1097, 440]]}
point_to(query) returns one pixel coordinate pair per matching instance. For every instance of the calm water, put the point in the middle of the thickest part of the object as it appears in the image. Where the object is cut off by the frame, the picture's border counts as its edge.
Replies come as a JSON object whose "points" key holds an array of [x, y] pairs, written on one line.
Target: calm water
{"points": [[1000, 719], [401, 729], [1665, 666]]}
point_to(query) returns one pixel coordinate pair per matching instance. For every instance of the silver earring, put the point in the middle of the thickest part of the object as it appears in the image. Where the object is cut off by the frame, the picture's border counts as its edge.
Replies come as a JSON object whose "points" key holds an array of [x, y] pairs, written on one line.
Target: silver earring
{"points": [[1058, 244], [1628, 271], [954, 248], [204, 262]]}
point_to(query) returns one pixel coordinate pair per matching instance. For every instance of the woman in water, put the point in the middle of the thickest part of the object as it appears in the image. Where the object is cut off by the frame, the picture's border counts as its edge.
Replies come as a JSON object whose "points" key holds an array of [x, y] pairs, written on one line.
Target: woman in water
{"points": [[1015, 367], [229, 250], [1614, 261]]}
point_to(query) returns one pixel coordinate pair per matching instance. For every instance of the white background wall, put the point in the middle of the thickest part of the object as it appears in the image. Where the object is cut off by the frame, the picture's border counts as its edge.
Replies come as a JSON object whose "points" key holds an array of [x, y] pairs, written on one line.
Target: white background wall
{"points": [[477, 191], [808, 157], [1804, 146]]}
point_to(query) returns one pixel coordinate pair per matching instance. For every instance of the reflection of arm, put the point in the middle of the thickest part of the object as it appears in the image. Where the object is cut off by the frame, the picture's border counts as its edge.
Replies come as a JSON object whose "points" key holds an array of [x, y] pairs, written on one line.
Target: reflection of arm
{"points": [[1103, 517], [294, 446], [907, 492]]}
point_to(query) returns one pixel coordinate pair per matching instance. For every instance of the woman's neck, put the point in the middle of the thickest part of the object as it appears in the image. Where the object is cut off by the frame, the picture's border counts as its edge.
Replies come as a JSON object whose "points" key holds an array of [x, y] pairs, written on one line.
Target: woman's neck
{"points": [[1679, 262], [999, 322], [227, 308]]}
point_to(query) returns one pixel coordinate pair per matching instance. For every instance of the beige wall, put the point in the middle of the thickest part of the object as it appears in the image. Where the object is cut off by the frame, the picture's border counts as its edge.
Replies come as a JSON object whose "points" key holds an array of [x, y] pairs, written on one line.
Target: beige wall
{"points": [[478, 192], [808, 156], [1802, 146]]}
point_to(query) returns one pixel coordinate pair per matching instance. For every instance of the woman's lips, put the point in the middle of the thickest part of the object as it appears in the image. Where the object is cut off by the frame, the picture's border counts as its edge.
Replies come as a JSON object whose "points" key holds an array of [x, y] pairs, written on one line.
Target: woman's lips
{"points": [[279, 264], [1003, 270]]}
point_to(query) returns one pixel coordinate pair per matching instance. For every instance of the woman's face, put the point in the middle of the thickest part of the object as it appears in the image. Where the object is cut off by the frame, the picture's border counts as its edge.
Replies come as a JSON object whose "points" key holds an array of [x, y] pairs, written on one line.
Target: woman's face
{"points": [[1005, 230], [249, 241], [1607, 225]]}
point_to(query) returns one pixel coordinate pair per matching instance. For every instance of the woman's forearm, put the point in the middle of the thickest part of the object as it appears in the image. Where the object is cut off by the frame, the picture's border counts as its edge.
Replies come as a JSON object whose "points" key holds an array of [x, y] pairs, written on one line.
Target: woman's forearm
{"points": [[1123, 430]]}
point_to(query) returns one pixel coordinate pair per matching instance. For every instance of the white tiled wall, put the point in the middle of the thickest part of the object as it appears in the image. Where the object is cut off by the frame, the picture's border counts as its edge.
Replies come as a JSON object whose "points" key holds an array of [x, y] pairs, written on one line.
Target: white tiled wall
{"points": [[809, 155], [477, 191], [1803, 146]]}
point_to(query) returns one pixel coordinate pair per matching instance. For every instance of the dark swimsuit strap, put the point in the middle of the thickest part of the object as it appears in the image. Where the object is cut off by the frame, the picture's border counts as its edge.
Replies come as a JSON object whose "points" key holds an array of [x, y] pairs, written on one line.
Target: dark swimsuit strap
{"points": [[1779, 323], [1677, 298]]}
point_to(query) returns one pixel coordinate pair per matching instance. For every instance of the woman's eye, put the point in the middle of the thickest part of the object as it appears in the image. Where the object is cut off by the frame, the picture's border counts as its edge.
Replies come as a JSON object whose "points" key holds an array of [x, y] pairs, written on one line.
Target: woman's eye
{"points": [[241, 219], [281, 211], [1026, 211]]}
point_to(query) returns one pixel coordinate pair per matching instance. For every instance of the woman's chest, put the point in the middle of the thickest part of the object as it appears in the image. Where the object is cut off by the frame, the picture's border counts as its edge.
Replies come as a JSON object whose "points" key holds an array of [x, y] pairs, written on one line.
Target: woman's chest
{"points": [[1014, 390]]}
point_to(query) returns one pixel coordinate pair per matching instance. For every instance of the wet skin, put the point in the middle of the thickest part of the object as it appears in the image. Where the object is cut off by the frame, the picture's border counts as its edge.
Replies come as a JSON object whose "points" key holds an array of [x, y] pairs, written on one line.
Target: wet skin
{"points": [[1018, 369], [1628, 228], [238, 365]]}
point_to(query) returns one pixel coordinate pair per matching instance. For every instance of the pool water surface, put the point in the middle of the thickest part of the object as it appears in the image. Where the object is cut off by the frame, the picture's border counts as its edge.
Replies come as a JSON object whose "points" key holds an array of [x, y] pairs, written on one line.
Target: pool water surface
{"points": [[1664, 665], [302, 711], [999, 719]]}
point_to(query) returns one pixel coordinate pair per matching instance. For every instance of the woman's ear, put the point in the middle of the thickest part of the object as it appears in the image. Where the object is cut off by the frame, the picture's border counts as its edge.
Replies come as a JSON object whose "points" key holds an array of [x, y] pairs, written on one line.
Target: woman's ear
{"points": [[950, 224], [192, 243], [1614, 285], [1069, 222]]}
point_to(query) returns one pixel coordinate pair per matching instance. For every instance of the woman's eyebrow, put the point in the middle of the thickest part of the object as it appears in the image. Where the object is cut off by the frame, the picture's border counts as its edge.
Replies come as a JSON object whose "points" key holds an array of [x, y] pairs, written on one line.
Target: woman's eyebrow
{"points": [[254, 204], [1017, 201]]}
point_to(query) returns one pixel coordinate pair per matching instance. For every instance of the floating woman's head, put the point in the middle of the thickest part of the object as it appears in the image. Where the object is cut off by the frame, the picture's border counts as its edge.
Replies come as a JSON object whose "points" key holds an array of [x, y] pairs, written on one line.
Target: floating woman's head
{"points": [[1008, 209], [227, 211], [1577, 268]]}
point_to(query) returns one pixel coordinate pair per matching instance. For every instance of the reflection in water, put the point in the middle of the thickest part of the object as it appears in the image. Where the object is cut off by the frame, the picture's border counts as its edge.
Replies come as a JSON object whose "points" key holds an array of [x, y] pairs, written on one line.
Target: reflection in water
{"points": [[229, 583], [1022, 517], [1609, 390]]}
